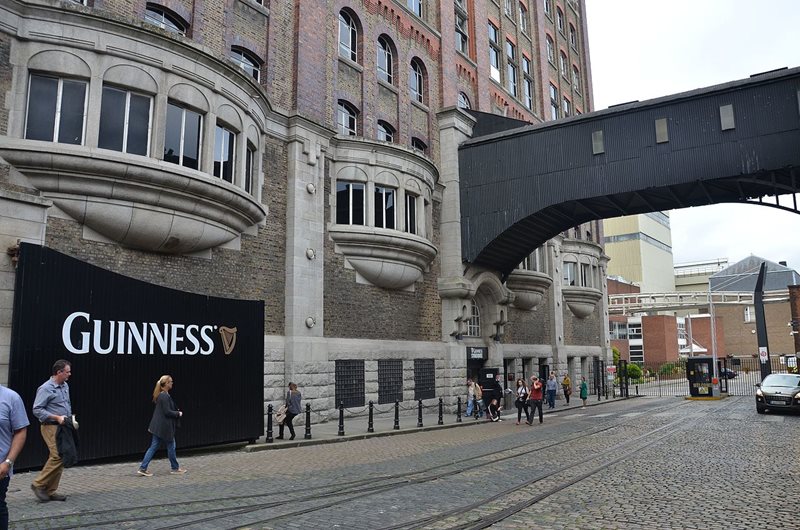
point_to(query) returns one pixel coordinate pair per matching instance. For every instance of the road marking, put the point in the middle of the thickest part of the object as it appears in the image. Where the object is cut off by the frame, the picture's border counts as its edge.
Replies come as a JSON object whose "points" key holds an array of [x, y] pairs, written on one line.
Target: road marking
{"points": [[631, 414], [603, 415]]}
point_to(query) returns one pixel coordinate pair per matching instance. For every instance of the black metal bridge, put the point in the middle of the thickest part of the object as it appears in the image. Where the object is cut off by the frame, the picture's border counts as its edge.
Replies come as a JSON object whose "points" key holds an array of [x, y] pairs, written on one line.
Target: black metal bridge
{"points": [[736, 142]]}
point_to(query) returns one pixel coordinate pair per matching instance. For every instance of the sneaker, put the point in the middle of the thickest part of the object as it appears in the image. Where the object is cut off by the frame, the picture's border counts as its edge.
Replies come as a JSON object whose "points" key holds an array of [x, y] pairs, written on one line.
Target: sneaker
{"points": [[144, 473], [58, 497], [179, 471], [40, 493]]}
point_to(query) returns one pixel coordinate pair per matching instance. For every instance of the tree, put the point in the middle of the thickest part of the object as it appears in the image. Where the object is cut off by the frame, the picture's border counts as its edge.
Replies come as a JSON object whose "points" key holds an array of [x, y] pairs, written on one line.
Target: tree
{"points": [[634, 371], [615, 354]]}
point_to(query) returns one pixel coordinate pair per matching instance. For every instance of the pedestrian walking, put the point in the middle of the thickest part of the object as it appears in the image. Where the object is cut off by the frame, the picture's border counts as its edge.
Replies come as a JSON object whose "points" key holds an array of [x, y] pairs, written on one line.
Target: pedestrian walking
{"points": [[292, 409], [584, 391], [536, 395], [479, 405], [470, 397], [13, 432], [53, 408], [566, 384], [552, 386], [162, 426], [522, 401]]}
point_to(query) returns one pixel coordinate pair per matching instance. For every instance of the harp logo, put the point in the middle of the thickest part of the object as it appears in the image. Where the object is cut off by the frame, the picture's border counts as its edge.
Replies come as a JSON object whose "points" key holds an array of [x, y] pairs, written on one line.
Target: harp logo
{"points": [[228, 336]]}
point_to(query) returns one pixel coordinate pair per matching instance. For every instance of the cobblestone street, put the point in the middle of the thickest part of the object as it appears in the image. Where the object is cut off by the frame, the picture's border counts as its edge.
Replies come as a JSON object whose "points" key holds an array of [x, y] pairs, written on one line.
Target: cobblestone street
{"points": [[639, 463]]}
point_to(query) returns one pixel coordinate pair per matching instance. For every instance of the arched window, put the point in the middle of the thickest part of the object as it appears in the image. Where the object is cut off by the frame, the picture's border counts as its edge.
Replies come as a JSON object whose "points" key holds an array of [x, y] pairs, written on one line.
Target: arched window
{"points": [[419, 145], [348, 37], [560, 19], [573, 37], [416, 81], [474, 322], [463, 101], [385, 132], [385, 66], [562, 63], [246, 61], [576, 79], [346, 118], [164, 19], [551, 54]]}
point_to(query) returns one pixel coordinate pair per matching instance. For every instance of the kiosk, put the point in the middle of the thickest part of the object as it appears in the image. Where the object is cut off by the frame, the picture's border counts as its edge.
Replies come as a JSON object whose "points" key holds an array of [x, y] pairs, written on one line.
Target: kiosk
{"points": [[700, 373]]}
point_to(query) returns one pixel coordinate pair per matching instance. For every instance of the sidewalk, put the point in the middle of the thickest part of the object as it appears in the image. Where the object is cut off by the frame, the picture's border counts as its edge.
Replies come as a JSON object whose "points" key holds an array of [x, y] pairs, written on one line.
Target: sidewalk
{"points": [[355, 428]]}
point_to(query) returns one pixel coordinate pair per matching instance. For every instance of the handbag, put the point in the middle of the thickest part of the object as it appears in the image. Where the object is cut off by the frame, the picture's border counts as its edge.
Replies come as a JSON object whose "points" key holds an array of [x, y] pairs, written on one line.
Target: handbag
{"points": [[280, 415]]}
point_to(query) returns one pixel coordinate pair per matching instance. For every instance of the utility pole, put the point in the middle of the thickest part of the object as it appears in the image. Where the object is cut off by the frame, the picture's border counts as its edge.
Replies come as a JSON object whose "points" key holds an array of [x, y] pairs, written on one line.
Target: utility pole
{"points": [[761, 323]]}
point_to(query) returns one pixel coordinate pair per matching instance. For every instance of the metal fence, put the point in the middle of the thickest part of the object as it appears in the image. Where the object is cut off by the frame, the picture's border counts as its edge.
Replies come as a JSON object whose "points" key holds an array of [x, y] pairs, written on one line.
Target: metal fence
{"points": [[669, 379]]}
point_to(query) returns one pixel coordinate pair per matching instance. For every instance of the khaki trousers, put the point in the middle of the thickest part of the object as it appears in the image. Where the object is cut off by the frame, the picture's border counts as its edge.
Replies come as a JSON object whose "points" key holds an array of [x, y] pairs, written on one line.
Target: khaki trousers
{"points": [[50, 475]]}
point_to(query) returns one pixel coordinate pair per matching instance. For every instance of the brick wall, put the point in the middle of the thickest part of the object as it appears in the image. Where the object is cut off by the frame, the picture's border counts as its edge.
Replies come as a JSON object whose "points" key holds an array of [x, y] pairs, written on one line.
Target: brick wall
{"points": [[530, 327], [588, 331]]}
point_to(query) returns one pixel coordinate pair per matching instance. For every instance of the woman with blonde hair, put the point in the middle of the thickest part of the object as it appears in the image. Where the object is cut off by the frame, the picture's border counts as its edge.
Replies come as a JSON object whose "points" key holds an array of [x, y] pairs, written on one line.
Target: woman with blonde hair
{"points": [[162, 427]]}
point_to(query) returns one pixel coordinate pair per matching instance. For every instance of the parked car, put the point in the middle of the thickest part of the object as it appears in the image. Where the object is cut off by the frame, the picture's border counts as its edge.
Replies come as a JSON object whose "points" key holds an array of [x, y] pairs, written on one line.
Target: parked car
{"points": [[727, 373], [778, 392]]}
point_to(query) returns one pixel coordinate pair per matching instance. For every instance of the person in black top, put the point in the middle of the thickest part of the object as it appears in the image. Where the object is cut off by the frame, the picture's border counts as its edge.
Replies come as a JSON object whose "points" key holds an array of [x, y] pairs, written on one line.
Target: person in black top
{"points": [[162, 427]]}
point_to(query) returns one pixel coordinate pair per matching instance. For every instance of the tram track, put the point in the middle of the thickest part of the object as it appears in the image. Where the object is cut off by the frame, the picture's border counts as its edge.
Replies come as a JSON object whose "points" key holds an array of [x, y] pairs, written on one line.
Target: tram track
{"points": [[220, 508]]}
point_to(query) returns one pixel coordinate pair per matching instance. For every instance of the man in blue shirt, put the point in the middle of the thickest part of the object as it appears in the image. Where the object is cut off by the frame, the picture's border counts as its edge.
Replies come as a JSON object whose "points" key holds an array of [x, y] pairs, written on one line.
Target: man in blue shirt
{"points": [[52, 407], [13, 430]]}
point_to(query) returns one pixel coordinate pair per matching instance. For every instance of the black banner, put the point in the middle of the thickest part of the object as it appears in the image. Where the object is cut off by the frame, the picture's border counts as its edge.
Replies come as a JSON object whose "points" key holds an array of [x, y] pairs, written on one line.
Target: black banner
{"points": [[121, 335]]}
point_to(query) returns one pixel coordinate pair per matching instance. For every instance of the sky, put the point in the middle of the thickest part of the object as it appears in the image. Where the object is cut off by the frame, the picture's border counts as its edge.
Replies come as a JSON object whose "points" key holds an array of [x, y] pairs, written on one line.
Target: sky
{"points": [[643, 49]]}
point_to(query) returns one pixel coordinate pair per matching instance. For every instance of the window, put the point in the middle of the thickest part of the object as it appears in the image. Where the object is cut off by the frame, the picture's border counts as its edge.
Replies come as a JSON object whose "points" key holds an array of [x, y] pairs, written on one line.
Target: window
{"points": [[618, 330], [576, 79], [634, 330], [527, 83], [462, 35], [182, 137], [511, 54], [390, 380], [56, 110], [164, 19], [350, 203], [551, 54], [424, 379], [385, 132], [553, 102], [384, 207], [349, 378], [562, 63], [346, 119], [586, 275], [463, 101], [636, 353], [385, 61], [411, 213], [348, 37], [247, 62], [249, 164], [416, 7], [474, 322], [750, 313], [494, 52], [508, 7], [523, 18], [124, 121], [531, 262], [419, 145], [567, 107], [570, 273], [560, 19], [548, 8], [416, 78], [573, 37], [224, 149]]}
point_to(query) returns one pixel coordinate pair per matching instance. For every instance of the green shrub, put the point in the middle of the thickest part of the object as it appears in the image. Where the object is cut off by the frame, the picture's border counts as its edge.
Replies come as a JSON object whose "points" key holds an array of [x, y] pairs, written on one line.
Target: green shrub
{"points": [[634, 371]]}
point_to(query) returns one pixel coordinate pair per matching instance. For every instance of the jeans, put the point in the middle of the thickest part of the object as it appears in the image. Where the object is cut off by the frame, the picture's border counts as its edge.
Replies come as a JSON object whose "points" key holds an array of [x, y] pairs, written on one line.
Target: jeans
{"points": [[536, 404], [470, 405], [3, 505], [523, 405], [551, 398], [288, 423], [154, 445]]}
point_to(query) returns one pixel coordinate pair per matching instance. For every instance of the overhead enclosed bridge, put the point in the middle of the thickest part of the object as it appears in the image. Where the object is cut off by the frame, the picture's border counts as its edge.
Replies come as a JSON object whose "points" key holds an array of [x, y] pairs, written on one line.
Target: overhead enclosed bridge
{"points": [[736, 142]]}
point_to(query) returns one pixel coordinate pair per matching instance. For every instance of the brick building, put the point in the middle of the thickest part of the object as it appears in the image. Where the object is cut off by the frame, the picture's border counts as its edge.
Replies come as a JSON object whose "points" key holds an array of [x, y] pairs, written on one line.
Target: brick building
{"points": [[305, 154]]}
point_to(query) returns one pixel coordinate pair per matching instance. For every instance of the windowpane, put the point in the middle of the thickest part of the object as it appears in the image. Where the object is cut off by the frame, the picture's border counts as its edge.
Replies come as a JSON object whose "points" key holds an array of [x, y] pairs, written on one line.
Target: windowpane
{"points": [[42, 108], [415, 6], [358, 203], [385, 132], [182, 137], [384, 207], [224, 148], [347, 36], [346, 119], [349, 203], [248, 168], [384, 61], [138, 125], [411, 214], [415, 82], [73, 100], [191, 140], [463, 101], [112, 119], [342, 203], [172, 137]]}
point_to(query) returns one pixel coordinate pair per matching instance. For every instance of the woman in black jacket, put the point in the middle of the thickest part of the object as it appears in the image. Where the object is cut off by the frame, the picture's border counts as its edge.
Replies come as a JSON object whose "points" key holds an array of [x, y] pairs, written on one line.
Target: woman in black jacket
{"points": [[162, 427]]}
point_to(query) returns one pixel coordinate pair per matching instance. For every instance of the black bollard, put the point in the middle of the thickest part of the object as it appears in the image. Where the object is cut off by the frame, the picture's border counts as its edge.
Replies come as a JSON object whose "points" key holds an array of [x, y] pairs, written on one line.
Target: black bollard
{"points": [[308, 422], [441, 421], [269, 424], [397, 415], [458, 410], [419, 413], [370, 427], [341, 418]]}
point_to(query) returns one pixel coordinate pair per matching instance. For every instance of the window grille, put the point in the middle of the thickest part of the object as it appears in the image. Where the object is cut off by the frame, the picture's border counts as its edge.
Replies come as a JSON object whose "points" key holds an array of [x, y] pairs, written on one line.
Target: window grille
{"points": [[390, 380], [424, 379], [350, 383]]}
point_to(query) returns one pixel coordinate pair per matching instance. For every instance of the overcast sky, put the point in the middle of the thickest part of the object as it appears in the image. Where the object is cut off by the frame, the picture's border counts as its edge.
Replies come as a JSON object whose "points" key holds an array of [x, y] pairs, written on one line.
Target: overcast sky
{"points": [[642, 49]]}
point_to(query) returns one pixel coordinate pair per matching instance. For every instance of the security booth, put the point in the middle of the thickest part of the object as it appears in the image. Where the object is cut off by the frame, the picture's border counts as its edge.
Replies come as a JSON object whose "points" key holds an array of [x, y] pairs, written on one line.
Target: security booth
{"points": [[700, 373], [486, 377]]}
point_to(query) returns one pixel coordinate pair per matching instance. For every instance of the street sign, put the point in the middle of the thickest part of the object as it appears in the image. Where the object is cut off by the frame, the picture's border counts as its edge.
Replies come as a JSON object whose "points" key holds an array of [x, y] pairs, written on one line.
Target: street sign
{"points": [[611, 369], [762, 353]]}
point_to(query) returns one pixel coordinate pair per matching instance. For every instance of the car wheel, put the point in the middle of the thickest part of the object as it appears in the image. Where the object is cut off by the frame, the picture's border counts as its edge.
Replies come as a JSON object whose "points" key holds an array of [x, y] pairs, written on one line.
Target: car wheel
{"points": [[760, 410]]}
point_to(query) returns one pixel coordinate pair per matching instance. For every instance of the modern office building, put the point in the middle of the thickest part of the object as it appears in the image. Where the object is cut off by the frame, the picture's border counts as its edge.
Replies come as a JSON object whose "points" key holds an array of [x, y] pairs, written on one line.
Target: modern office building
{"points": [[303, 154], [640, 250]]}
